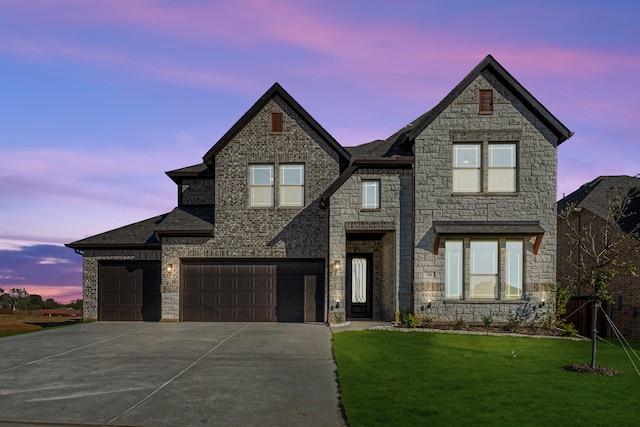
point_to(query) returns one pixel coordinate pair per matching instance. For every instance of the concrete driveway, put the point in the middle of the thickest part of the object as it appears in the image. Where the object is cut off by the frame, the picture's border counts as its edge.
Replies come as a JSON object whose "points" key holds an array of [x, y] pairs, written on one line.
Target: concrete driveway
{"points": [[170, 374]]}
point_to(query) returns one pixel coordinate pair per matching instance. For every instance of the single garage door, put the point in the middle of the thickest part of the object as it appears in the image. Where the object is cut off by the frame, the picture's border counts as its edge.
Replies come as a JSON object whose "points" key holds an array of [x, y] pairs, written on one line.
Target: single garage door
{"points": [[129, 291], [264, 291]]}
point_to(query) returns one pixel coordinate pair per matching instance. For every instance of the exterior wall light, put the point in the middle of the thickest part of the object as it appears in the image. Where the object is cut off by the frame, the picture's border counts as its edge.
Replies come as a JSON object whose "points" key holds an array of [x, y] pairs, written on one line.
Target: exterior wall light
{"points": [[542, 303], [336, 265], [169, 268]]}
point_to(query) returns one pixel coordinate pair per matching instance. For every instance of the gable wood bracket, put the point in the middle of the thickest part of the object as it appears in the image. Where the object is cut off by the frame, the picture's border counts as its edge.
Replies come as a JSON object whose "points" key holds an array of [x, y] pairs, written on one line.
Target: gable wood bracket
{"points": [[536, 244]]}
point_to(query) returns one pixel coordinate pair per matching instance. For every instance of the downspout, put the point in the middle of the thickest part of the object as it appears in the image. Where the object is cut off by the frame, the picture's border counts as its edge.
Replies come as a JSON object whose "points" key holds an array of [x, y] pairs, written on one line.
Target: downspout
{"points": [[327, 263]]}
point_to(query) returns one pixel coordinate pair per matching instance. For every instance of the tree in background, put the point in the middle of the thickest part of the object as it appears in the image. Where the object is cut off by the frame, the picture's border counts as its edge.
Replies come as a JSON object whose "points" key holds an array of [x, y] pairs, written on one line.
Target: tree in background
{"points": [[601, 247], [15, 299]]}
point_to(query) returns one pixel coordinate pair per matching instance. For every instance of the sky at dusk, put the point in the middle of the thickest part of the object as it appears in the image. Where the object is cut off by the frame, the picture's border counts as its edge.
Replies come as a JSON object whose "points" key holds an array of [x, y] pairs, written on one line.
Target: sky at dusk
{"points": [[99, 98]]}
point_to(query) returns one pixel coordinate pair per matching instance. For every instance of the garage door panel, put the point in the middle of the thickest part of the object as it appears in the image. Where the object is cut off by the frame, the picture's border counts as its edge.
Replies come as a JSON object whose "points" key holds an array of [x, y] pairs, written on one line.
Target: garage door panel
{"points": [[129, 290], [248, 291]]}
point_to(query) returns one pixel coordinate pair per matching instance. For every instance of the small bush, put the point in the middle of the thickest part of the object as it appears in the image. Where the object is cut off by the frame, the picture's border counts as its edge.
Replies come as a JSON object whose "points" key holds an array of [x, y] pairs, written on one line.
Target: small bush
{"points": [[568, 330], [487, 321], [459, 324], [425, 319], [410, 320]]}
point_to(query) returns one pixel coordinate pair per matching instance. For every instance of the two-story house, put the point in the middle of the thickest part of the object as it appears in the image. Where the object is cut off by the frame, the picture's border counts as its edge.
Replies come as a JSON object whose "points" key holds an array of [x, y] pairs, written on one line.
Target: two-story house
{"points": [[452, 216]]}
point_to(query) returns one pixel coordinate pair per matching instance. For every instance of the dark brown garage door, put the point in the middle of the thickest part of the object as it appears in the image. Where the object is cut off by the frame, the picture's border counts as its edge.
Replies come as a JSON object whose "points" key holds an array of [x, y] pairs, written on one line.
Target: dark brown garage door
{"points": [[129, 291], [264, 291]]}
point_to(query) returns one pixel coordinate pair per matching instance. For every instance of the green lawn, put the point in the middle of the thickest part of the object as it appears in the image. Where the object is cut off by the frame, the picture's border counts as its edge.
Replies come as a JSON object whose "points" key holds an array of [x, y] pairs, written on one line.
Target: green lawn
{"points": [[390, 378]]}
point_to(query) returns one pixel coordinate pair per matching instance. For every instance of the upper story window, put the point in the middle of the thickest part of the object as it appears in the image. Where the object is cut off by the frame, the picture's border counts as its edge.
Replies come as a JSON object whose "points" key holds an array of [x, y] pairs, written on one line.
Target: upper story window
{"points": [[370, 194], [486, 101], [467, 174], [291, 185], [502, 168], [276, 123], [473, 174], [261, 185]]}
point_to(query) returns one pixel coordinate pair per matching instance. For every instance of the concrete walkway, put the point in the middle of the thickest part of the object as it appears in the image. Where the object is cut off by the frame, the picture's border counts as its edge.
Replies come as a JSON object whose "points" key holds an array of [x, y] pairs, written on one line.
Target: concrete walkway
{"points": [[163, 374]]}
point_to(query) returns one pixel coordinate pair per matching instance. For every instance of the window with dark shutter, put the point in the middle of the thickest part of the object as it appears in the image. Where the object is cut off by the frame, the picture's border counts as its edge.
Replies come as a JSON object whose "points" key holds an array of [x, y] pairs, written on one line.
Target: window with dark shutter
{"points": [[276, 122], [486, 101]]}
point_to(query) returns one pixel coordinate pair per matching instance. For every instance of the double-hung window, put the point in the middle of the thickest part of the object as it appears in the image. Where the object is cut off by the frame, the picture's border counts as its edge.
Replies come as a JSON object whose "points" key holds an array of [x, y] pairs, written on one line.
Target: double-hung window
{"points": [[291, 185], [370, 194], [483, 269], [261, 185], [502, 168], [467, 172], [485, 167]]}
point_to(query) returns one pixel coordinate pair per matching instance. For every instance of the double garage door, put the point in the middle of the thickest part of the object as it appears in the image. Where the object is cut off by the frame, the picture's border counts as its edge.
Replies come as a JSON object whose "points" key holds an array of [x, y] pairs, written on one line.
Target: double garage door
{"points": [[258, 291], [229, 291]]}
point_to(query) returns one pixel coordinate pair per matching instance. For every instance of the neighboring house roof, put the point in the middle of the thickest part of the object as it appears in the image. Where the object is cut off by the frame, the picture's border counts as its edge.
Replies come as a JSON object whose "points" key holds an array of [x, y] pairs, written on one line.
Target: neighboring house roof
{"points": [[200, 171], [184, 221], [595, 196], [275, 90], [489, 63]]}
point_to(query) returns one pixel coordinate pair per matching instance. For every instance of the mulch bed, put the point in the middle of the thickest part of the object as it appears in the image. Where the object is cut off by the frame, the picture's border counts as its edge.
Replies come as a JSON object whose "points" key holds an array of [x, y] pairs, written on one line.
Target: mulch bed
{"points": [[598, 370]]}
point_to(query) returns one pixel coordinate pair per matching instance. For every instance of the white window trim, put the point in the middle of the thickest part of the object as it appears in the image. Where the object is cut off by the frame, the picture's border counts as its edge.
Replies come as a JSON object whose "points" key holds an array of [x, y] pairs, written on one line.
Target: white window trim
{"points": [[366, 203], [283, 187], [502, 273], [253, 186], [485, 169]]}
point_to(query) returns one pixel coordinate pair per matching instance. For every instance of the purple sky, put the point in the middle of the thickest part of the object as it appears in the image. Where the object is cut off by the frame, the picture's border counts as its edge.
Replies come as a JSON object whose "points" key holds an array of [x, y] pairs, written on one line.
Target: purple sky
{"points": [[99, 98]]}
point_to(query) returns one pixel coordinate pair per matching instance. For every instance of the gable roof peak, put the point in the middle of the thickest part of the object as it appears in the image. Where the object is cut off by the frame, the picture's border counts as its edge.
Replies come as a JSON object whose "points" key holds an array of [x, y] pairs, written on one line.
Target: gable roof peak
{"points": [[275, 89], [561, 132]]}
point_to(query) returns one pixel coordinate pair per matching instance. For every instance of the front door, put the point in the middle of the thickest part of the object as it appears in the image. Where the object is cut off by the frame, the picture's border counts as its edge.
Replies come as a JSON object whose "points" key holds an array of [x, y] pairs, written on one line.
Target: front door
{"points": [[359, 292]]}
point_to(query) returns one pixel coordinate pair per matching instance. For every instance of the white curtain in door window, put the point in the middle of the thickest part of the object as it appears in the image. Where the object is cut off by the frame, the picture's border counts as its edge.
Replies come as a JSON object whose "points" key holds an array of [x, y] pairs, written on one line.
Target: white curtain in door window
{"points": [[359, 280]]}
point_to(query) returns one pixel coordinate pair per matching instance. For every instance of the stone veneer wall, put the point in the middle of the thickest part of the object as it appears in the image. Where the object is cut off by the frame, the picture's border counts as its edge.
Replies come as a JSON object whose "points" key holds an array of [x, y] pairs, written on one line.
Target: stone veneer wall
{"points": [[435, 201], [394, 218], [91, 260], [265, 233]]}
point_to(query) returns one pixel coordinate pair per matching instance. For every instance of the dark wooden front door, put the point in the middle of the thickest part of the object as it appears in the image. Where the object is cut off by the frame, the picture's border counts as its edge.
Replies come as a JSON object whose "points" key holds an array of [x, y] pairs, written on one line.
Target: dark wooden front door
{"points": [[359, 289]]}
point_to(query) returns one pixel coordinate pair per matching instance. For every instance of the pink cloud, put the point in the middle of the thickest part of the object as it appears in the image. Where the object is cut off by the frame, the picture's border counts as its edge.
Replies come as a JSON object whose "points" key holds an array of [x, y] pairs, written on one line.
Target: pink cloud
{"points": [[62, 294]]}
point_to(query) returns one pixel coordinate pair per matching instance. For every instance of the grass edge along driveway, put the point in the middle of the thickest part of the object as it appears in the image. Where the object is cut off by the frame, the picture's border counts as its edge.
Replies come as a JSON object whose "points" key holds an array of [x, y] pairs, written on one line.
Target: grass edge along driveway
{"points": [[390, 378]]}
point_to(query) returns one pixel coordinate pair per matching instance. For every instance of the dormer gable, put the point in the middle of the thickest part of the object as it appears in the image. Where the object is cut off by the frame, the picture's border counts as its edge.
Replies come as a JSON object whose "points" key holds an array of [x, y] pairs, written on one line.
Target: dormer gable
{"points": [[276, 91]]}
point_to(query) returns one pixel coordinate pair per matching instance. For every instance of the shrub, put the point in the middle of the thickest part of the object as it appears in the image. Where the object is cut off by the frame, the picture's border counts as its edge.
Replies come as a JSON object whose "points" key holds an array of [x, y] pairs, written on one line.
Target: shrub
{"points": [[487, 321], [410, 320]]}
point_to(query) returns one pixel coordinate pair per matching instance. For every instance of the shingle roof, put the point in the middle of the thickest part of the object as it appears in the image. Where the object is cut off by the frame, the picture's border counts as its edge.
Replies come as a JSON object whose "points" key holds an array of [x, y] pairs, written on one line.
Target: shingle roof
{"points": [[184, 221], [595, 196], [196, 171], [188, 220], [139, 235]]}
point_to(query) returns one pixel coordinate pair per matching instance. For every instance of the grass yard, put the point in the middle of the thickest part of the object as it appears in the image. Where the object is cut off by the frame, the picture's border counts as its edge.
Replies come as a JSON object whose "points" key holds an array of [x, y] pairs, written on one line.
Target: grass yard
{"points": [[390, 378]]}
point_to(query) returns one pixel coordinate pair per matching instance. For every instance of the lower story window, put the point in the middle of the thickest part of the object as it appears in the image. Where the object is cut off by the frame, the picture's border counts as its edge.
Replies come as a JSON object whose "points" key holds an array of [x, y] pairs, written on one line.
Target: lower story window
{"points": [[483, 271], [453, 273], [479, 275], [513, 269]]}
